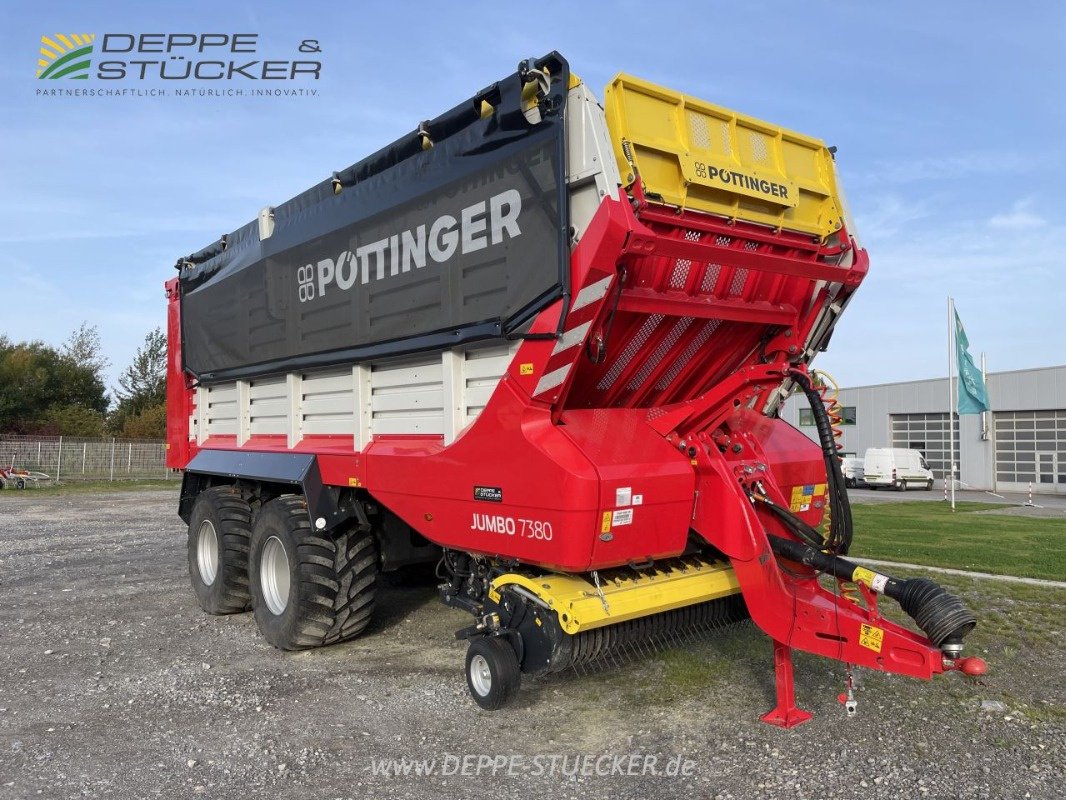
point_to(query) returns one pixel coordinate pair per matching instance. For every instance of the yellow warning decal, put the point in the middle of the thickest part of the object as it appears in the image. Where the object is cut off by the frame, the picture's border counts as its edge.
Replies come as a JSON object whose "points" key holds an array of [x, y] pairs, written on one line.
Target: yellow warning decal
{"points": [[871, 638], [525, 369], [803, 496], [605, 523], [863, 575], [354, 482]]}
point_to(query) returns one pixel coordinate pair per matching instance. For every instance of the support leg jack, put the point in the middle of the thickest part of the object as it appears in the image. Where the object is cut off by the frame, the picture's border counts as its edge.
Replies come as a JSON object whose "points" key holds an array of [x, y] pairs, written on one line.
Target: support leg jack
{"points": [[785, 714]]}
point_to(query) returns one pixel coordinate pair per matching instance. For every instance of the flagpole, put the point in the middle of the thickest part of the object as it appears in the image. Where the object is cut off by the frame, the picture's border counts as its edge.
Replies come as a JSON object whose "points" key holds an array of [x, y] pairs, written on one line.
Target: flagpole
{"points": [[951, 399], [988, 421]]}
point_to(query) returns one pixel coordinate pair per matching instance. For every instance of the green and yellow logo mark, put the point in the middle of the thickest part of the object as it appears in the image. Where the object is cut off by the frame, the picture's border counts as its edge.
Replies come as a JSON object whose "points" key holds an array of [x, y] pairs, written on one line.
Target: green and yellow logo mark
{"points": [[65, 56]]}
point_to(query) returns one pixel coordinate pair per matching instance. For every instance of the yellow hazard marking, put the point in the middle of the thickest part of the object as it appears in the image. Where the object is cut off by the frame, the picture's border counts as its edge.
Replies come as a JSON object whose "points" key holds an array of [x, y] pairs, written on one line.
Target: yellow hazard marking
{"points": [[803, 496], [863, 575], [525, 369], [354, 482], [605, 523], [871, 638]]}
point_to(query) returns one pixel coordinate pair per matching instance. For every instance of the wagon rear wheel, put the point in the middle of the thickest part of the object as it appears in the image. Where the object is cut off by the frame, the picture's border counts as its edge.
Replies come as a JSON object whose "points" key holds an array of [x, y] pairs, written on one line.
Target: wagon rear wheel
{"points": [[310, 589]]}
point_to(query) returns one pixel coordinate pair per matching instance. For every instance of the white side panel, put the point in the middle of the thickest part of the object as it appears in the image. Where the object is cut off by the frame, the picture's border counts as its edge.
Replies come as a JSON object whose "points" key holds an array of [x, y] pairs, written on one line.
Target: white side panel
{"points": [[407, 397], [452, 393], [592, 172], [328, 401], [194, 417], [361, 407], [482, 371], [294, 402], [244, 412], [219, 410], [438, 394], [268, 406]]}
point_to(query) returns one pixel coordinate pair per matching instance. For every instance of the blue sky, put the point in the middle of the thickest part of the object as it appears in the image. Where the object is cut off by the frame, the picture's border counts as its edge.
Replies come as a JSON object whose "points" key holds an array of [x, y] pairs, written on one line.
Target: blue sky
{"points": [[949, 119]]}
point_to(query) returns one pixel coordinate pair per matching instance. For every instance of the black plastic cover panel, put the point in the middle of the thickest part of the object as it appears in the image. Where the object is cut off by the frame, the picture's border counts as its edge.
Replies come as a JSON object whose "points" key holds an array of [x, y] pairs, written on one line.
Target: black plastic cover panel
{"points": [[422, 248]]}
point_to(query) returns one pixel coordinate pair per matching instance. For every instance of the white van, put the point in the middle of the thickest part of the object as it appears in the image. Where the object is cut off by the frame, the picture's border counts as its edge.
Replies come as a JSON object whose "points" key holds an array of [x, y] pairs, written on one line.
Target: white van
{"points": [[896, 468], [852, 468]]}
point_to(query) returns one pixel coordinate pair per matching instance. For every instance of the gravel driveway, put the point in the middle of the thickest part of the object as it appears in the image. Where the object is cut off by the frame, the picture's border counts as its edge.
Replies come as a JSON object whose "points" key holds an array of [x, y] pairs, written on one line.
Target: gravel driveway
{"points": [[114, 684]]}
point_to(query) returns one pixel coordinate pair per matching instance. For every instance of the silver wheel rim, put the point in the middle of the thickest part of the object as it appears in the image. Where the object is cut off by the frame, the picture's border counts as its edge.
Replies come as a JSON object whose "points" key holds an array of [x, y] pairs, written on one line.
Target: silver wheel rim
{"points": [[274, 575], [207, 552], [480, 675]]}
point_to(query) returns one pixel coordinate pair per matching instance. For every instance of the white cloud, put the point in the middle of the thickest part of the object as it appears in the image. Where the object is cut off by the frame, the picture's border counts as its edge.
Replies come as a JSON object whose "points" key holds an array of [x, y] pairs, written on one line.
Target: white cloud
{"points": [[960, 165], [1020, 218]]}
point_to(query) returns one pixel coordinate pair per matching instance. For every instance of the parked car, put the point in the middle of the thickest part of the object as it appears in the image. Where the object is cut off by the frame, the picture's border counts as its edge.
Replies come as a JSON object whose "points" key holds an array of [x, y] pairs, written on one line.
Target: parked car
{"points": [[852, 468], [896, 468]]}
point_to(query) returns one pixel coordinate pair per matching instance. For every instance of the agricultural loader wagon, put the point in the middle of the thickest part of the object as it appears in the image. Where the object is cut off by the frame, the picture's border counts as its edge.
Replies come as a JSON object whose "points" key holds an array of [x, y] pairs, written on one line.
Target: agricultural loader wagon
{"points": [[542, 343]]}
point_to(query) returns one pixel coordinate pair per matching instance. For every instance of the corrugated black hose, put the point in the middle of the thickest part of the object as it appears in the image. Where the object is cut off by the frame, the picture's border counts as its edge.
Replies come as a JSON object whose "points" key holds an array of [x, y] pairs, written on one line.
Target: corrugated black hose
{"points": [[840, 525], [939, 614]]}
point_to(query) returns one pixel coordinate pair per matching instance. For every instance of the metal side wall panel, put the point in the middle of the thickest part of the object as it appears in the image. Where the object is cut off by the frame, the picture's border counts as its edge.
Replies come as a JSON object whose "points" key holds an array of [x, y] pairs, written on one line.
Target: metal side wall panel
{"points": [[591, 171], [268, 406], [327, 402], [220, 410], [482, 371], [407, 397]]}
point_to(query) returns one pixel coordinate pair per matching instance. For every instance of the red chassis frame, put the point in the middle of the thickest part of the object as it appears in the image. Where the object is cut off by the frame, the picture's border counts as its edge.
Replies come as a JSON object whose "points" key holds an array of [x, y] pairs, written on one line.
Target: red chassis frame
{"points": [[568, 434]]}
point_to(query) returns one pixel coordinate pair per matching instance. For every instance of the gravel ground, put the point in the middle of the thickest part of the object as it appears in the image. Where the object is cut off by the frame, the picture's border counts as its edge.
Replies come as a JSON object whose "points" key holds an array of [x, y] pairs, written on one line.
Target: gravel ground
{"points": [[114, 684]]}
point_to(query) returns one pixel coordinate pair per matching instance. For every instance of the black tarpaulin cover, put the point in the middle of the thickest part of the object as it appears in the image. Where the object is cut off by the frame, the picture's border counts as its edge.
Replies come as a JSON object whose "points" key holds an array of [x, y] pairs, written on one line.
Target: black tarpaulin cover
{"points": [[421, 249]]}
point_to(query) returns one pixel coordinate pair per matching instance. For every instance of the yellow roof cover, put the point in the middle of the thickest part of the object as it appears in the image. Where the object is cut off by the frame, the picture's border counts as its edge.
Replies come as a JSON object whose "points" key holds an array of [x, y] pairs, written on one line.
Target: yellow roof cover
{"points": [[700, 156]]}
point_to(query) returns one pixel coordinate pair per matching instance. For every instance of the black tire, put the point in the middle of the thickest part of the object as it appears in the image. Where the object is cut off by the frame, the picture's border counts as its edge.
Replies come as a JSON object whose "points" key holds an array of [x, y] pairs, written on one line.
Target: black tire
{"points": [[222, 514], [929, 485], [492, 672], [20, 483], [849, 483], [902, 485], [328, 594]]}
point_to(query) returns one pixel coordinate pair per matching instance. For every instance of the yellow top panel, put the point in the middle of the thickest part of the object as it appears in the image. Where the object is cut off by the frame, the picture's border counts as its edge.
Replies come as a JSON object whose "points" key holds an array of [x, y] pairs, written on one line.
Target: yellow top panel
{"points": [[703, 157]]}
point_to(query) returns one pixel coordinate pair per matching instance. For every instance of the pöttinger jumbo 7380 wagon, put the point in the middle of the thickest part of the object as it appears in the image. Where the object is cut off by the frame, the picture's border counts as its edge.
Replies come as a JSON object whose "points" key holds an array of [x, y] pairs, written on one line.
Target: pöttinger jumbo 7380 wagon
{"points": [[543, 342]]}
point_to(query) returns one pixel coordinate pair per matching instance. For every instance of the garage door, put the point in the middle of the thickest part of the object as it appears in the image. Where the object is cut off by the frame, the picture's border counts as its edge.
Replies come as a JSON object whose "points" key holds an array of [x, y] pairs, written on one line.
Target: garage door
{"points": [[929, 435], [1031, 448]]}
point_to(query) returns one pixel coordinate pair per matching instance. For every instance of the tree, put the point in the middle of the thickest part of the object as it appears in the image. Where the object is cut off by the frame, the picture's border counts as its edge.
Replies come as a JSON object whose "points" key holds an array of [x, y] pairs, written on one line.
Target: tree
{"points": [[70, 421], [143, 384], [35, 378], [85, 348], [149, 424]]}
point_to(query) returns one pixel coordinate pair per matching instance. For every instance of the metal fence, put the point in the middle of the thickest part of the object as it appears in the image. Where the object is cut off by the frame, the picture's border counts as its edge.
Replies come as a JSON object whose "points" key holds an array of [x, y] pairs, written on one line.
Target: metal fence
{"points": [[65, 458]]}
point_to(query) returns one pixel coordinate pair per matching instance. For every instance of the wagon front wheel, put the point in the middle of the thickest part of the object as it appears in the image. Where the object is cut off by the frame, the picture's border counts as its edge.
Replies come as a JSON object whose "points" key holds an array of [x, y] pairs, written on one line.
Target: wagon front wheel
{"points": [[492, 672]]}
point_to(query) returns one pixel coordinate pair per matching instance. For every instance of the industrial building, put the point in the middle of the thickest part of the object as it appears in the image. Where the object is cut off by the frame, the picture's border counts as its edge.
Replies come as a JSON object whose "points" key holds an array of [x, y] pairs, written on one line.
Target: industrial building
{"points": [[1021, 441]]}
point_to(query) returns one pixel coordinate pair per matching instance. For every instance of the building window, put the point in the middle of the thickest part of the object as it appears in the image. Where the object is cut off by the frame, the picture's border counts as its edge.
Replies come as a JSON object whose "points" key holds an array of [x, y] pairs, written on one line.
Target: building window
{"points": [[847, 416], [930, 435], [1030, 446]]}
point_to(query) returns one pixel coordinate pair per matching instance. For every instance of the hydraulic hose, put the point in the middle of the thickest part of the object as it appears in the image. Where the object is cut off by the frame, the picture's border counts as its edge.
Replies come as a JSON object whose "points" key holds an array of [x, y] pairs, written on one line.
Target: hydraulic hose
{"points": [[840, 525], [939, 614]]}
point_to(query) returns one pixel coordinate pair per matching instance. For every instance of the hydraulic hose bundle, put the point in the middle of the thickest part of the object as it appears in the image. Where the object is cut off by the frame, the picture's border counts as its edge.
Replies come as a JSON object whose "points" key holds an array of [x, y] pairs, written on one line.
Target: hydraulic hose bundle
{"points": [[840, 527], [940, 615]]}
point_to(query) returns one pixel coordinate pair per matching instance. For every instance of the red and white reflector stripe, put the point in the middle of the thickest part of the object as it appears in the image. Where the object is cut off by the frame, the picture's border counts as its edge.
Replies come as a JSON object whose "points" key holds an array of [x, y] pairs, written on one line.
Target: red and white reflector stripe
{"points": [[578, 323]]}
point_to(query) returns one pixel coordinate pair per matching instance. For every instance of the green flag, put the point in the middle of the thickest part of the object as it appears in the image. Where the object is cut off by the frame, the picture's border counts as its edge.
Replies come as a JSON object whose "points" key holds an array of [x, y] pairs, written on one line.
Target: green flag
{"points": [[973, 396]]}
